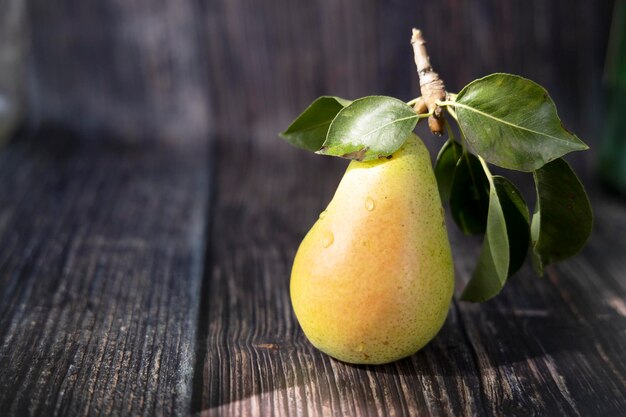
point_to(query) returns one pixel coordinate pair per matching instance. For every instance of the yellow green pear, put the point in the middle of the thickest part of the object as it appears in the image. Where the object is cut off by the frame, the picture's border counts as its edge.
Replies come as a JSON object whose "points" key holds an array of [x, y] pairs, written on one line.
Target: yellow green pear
{"points": [[373, 279]]}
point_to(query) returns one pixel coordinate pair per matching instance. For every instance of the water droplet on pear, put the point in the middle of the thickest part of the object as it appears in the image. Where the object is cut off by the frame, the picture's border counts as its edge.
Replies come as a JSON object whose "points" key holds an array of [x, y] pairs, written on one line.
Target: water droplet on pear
{"points": [[328, 239]]}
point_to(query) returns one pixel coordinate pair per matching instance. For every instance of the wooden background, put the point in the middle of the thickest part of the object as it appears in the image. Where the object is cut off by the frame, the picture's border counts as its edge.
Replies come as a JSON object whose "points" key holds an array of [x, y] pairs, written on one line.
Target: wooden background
{"points": [[149, 213], [242, 70]]}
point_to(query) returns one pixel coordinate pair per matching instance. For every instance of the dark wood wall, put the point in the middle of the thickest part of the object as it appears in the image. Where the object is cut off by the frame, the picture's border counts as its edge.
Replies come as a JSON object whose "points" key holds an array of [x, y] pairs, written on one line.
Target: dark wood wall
{"points": [[270, 58], [125, 70], [181, 69]]}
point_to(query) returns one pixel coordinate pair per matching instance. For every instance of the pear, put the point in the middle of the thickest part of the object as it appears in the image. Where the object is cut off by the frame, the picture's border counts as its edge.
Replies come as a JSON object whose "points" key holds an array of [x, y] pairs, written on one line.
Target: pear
{"points": [[373, 279]]}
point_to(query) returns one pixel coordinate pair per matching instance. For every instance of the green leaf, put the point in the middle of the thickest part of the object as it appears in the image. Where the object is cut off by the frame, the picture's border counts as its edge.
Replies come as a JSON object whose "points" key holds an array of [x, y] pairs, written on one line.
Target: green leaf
{"points": [[493, 264], [469, 196], [309, 130], [563, 219], [512, 122], [369, 128], [506, 241], [517, 221], [444, 168]]}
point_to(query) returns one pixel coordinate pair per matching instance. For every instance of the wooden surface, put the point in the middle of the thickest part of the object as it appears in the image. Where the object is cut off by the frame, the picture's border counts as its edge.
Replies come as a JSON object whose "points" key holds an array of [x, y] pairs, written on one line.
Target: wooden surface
{"points": [[101, 256], [132, 282]]}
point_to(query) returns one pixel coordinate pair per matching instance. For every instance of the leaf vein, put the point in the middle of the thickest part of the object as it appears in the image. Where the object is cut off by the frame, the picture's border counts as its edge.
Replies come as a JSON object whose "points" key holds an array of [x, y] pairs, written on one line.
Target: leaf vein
{"points": [[390, 123], [457, 104]]}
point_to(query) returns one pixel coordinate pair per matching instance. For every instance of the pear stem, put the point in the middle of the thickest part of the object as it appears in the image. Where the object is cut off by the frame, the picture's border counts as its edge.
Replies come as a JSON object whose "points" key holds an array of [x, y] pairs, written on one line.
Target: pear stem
{"points": [[431, 85]]}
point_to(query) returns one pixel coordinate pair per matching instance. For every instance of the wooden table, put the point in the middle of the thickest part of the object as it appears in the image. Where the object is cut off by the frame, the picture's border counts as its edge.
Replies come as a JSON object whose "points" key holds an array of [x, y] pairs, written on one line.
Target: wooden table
{"points": [[154, 281]]}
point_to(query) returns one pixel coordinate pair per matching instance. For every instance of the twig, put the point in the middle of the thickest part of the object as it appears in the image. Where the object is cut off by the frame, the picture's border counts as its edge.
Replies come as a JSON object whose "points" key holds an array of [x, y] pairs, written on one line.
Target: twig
{"points": [[431, 85]]}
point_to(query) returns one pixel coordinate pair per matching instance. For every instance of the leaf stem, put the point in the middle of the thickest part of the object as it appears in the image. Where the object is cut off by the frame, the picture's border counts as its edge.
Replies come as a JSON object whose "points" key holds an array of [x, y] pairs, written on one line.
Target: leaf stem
{"points": [[452, 113], [486, 169], [444, 103], [413, 101]]}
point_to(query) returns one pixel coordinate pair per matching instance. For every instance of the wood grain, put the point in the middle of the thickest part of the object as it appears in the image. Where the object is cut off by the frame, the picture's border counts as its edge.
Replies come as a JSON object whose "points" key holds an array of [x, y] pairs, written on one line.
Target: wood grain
{"points": [[100, 266], [552, 346]]}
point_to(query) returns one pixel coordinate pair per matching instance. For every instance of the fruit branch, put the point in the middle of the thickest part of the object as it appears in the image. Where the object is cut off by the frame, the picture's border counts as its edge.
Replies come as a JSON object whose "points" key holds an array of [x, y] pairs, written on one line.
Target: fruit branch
{"points": [[431, 85]]}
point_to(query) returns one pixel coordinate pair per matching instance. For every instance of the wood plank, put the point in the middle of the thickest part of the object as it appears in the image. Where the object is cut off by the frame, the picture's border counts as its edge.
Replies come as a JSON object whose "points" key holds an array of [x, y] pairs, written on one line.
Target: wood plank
{"points": [[101, 261], [543, 347]]}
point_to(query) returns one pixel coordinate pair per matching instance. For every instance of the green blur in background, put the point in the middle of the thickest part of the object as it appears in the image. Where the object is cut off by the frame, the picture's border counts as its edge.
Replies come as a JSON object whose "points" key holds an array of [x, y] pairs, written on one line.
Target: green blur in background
{"points": [[613, 154]]}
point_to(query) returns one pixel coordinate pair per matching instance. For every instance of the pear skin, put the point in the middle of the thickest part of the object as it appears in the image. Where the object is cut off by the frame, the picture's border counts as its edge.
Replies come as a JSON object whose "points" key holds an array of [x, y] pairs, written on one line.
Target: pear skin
{"points": [[373, 279]]}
